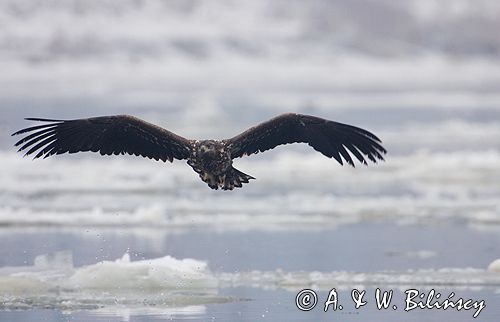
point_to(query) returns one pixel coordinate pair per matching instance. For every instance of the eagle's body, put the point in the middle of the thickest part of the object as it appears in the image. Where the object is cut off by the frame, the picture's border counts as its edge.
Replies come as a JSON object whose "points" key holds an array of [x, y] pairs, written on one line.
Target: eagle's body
{"points": [[211, 159]]}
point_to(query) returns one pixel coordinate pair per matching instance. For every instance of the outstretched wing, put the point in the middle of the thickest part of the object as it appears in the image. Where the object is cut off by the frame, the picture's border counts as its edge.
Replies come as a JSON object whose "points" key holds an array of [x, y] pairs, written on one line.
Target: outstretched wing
{"points": [[331, 138], [108, 135]]}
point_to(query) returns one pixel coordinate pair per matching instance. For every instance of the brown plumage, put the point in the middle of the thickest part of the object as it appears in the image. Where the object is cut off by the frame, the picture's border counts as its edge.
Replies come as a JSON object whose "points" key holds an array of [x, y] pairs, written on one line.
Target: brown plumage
{"points": [[211, 159]]}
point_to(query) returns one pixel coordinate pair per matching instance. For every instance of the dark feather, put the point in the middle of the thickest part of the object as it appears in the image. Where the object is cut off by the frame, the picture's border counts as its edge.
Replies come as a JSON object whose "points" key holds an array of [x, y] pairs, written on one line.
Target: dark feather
{"points": [[107, 134], [331, 138]]}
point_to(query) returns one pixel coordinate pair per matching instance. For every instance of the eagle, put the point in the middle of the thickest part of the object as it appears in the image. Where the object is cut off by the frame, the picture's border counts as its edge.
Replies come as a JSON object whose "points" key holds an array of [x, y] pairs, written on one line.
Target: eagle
{"points": [[211, 159]]}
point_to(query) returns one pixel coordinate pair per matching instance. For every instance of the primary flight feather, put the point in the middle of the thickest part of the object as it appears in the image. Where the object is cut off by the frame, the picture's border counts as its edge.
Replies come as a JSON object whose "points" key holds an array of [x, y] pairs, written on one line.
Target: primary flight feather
{"points": [[211, 159]]}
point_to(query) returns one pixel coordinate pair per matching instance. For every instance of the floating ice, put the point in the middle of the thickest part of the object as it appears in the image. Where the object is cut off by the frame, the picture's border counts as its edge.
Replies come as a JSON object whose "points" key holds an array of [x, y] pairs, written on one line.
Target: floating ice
{"points": [[185, 285]]}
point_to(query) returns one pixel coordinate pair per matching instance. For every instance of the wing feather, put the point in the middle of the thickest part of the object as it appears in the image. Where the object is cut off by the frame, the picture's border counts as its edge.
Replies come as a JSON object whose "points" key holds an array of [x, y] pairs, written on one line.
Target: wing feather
{"points": [[333, 139], [35, 137], [107, 135]]}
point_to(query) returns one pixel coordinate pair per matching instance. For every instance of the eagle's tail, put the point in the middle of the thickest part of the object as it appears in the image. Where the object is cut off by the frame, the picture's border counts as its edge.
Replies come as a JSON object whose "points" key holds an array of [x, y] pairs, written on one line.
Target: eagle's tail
{"points": [[233, 178]]}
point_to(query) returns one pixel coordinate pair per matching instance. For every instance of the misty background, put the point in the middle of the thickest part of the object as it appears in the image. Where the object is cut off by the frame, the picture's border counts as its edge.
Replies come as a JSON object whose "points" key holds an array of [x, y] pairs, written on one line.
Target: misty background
{"points": [[190, 64]]}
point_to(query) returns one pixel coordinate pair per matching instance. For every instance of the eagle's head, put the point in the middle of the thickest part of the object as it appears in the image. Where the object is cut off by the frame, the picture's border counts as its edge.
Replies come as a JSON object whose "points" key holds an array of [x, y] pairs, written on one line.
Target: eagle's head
{"points": [[209, 149]]}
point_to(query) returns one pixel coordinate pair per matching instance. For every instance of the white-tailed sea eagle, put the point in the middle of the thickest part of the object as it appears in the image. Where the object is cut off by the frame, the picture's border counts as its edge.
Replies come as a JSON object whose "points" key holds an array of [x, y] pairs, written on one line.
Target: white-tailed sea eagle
{"points": [[211, 159]]}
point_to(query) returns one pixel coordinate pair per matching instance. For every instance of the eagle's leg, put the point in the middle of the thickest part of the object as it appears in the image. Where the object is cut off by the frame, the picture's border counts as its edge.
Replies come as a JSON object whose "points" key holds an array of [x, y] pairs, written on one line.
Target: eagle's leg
{"points": [[226, 180], [233, 178], [206, 176]]}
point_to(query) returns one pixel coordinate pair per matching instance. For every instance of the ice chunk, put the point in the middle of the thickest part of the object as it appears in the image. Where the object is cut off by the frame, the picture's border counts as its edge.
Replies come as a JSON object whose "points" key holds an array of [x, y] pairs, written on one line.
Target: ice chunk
{"points": [[494, 266], [160, 273]]}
